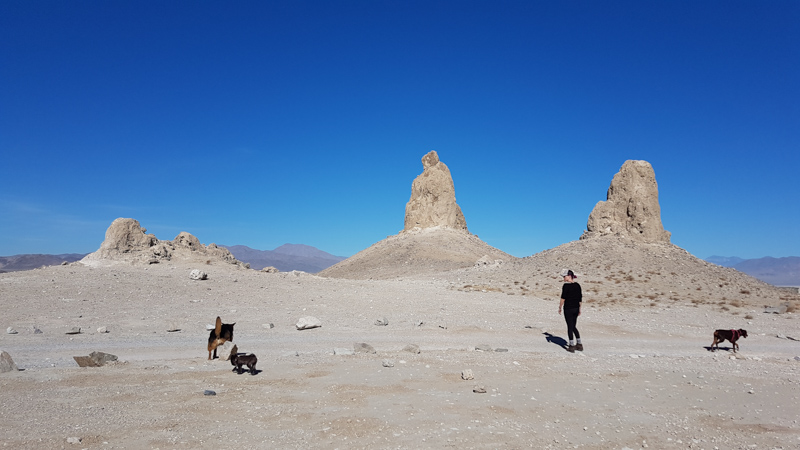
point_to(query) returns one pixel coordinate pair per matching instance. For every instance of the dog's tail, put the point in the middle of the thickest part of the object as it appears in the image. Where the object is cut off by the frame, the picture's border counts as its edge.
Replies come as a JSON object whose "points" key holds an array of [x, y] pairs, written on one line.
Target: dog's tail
{"points": [[218, 328]]}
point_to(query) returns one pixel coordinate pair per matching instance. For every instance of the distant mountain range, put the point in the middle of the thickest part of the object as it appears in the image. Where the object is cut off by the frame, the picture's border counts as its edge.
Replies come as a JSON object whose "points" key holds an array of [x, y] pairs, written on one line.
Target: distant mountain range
{"points": [[775, 271], [286, 258], [28, 262]]}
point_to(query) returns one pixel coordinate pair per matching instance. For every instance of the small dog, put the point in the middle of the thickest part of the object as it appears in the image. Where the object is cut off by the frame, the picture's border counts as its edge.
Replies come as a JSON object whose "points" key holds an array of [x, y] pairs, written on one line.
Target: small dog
{"points": [[219, 335], [243, 359], [728, 335]]}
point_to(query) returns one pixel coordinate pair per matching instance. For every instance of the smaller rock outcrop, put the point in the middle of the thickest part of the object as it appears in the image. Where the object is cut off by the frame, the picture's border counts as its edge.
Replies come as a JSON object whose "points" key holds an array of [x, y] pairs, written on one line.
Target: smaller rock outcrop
{"points": [[631, 209], [126, 240], [433, 198]]}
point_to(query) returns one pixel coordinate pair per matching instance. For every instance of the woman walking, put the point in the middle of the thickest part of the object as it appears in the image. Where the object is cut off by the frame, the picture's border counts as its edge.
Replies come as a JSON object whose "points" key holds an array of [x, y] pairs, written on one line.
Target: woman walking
{"points": [[571, 298]]}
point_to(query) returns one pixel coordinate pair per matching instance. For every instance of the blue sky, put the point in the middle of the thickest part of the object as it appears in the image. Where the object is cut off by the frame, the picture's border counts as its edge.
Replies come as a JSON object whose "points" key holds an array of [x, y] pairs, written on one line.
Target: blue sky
{"points": [[269, 122]]}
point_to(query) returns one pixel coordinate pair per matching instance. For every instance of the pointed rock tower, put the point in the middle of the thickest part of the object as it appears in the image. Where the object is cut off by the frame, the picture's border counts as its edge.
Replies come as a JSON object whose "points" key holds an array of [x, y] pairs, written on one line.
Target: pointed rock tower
{"points": [[433, 198], [631, 209]]}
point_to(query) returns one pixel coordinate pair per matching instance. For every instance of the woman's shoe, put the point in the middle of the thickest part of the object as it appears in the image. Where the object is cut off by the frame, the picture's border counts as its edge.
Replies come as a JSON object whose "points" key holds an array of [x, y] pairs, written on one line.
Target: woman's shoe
{"points": [[579, 347], [571, 349]]}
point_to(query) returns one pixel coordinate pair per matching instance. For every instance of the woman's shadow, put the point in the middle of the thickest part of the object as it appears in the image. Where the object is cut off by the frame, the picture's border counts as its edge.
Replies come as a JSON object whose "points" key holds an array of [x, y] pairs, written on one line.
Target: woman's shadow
{"points": [[559, 341]]}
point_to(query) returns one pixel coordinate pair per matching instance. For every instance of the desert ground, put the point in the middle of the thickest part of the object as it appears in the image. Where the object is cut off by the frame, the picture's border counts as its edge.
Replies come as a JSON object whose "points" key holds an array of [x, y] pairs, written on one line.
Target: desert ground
{"points": [[645, 380]]}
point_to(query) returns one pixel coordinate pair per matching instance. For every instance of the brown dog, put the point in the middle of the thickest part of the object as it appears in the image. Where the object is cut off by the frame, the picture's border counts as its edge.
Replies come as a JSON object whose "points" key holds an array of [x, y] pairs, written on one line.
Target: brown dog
{"points": [[243, 359], [728, 335], [219, 335]]}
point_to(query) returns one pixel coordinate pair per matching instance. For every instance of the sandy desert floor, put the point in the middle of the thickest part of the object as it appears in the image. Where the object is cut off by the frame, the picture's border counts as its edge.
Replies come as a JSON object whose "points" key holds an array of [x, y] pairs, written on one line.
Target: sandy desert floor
{"points": [[645, 380]]}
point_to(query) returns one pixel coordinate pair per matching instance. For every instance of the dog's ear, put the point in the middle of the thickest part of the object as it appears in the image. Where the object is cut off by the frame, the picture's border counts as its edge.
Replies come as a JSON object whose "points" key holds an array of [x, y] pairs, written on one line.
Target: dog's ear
{"points": [[218, 328]]}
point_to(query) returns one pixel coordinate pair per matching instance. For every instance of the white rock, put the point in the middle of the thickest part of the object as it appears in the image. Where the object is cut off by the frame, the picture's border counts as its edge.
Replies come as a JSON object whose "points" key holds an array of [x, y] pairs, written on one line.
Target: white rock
{"points": [[308, 322], [197, 274]]}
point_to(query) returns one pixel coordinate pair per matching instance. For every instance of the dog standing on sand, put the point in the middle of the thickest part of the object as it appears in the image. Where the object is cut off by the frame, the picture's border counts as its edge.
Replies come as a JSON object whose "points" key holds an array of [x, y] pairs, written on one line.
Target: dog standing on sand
{"points": [[243, 359], [728, 335], [219, 335]]}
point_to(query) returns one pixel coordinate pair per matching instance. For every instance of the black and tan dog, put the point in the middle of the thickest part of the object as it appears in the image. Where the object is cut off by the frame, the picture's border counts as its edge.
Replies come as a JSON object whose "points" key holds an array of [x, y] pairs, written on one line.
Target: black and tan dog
{"points": [[219, 335], [243, 359], [728, 335]]}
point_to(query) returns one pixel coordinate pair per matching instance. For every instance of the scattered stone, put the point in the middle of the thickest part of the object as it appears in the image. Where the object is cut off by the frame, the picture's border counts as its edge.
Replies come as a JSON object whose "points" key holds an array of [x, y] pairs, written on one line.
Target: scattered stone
{"points": [[11, 330], [483, 348], [343, 351], [479, 390], [780, 336], [35, 330], [74, 330], [419, 323], [382, 322], [270, 269], [467, 374], [443, 326], [308, 322], [6, 363], [268, 326], [95, 359], [209, 392], [174, 328], [73, 440], [780, 309], [411, 348], [797, 358], [197, 274], [501, 350], [224, 351], [433, 198], [388, 363], [360, 347], [486, 261], [103, 329]]}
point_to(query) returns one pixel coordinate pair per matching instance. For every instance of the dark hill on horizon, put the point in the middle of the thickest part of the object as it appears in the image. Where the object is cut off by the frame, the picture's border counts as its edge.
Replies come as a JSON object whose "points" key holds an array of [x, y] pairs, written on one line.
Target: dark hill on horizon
{"points": [[285, 258], [776, 271], [16, 263]]}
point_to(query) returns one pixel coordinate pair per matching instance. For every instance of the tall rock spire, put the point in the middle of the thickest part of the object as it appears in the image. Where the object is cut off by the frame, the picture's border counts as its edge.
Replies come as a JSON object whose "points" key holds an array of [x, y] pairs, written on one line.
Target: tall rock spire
{"points": [[433, 198], [631, 209]]}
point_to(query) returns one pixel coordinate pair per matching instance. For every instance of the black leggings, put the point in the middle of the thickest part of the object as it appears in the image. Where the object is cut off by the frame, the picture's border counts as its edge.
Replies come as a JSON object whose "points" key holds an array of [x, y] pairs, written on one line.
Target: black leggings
{"points": [[571, 315]]}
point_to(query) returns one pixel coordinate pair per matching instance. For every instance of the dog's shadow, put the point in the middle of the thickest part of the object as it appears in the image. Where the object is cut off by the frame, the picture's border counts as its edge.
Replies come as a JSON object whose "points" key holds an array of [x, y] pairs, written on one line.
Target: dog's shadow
{"points": [[727, 349], [258, 371], [559, 341]]}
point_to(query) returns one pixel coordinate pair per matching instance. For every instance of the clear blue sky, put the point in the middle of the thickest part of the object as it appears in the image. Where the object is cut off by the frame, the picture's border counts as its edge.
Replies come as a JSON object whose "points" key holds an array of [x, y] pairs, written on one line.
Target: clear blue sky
{"points": [[269, 122]]}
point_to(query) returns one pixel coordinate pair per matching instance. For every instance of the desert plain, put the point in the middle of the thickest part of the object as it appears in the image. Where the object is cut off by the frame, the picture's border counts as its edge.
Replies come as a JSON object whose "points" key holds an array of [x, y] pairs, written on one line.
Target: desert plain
{"points": [[645, 380]]}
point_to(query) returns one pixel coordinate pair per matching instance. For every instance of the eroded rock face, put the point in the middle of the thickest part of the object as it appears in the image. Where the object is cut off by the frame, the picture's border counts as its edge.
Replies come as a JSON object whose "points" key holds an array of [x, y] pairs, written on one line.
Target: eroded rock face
{"points": [[125, 235], [631, 209], [126, 240], [433, 198]]}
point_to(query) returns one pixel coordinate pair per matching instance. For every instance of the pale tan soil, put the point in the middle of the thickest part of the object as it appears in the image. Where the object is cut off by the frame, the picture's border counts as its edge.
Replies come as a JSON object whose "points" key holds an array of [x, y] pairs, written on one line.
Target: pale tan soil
{"points": [[646, 377]]}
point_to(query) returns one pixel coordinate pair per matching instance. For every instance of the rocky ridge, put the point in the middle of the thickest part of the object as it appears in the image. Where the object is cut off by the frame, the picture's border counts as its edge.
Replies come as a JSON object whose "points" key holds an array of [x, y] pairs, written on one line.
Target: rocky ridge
{"points": [[127, 241]]}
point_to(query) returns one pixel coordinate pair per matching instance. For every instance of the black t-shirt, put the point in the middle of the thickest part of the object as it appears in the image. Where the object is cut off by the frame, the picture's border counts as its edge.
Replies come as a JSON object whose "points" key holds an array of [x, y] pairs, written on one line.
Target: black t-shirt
{"points": [[571, 293]]}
